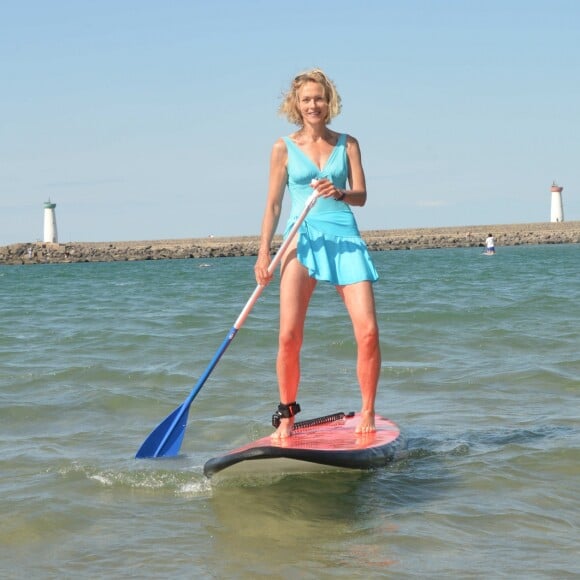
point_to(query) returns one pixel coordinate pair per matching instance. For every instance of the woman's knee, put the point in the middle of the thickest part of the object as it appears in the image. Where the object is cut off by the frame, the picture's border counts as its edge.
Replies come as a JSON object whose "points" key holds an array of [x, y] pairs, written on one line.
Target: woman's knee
{"points": [[289, 340], [368, 336]]}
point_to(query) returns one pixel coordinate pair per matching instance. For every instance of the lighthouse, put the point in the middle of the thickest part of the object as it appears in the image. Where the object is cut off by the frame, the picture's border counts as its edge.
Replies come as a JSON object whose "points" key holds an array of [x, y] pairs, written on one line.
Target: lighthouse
{"points": [[557, 213], [50, 235]]}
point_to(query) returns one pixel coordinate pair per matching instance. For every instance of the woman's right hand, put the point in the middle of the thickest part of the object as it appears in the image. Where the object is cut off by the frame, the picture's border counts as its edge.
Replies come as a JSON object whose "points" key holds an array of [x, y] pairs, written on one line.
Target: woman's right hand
{"points": [[263, 277]]}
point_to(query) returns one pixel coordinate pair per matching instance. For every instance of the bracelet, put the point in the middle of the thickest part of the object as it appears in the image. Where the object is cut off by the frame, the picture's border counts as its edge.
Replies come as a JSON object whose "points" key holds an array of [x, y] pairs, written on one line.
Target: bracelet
{"points": [[341, 196]]}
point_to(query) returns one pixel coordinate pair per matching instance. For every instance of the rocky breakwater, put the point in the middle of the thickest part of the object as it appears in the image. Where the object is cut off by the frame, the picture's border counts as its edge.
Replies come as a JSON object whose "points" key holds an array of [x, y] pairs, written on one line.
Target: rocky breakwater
{"points": [[474, 236], [377, 240]]}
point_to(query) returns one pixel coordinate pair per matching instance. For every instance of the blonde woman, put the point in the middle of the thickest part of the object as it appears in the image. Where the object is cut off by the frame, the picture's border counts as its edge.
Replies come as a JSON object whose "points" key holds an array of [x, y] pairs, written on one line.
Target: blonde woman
{"points": [[328, 246]]}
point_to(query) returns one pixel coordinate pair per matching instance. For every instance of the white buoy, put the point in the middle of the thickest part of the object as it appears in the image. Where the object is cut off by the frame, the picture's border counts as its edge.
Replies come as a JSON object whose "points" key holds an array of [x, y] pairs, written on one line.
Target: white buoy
{"points": [[557, 213], [50, 235]]}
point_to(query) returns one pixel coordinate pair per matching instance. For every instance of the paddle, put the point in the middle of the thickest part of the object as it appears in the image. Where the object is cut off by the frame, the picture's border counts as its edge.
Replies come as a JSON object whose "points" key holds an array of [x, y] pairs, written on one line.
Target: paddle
{"points": [[165, 440]]}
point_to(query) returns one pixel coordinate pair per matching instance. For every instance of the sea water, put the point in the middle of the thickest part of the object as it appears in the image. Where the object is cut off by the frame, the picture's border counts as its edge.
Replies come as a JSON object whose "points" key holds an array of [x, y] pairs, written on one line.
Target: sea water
{"points": [[481, 369]]}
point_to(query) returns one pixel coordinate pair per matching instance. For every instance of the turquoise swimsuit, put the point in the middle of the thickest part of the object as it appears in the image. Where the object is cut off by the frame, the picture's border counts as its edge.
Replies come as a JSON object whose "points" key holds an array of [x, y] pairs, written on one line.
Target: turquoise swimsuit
{"points": [[329, 243]]}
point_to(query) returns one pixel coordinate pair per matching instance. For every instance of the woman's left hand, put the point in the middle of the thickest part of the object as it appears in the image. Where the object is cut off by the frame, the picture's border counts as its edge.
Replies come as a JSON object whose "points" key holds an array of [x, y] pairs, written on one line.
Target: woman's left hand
{"points": [[326, 188]]}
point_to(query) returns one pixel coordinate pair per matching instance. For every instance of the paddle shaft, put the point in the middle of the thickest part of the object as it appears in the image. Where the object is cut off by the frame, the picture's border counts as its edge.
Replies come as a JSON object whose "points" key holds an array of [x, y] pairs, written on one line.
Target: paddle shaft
{"points": [[182, 410], [252, 300]]}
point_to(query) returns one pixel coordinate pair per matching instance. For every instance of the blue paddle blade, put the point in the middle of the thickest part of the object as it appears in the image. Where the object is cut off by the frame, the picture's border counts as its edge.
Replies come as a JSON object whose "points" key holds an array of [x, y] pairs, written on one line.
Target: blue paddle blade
{"points": [[165, 440]]}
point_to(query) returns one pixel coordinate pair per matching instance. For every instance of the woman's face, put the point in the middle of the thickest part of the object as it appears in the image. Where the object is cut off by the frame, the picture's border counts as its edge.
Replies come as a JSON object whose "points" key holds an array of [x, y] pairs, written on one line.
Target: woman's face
{"points": [[312, 103]]}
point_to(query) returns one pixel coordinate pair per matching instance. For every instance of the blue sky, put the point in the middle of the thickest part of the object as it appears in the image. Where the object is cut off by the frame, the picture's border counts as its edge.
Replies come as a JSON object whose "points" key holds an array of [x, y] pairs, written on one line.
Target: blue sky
{"points": [[148, 119]]}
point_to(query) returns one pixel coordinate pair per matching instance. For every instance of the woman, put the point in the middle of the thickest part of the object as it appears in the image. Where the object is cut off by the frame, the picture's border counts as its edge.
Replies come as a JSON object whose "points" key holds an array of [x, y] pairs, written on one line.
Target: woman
{"points": [[328, 246]]}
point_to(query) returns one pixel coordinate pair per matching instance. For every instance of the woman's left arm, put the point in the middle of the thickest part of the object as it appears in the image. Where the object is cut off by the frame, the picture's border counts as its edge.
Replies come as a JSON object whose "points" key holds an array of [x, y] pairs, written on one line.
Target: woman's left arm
{"points": [[357, 194]]}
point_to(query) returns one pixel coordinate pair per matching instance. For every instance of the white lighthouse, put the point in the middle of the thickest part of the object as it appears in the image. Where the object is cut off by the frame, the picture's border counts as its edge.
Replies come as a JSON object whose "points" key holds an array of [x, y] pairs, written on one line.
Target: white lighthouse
{"points": [[557, 213], [50, 235]]}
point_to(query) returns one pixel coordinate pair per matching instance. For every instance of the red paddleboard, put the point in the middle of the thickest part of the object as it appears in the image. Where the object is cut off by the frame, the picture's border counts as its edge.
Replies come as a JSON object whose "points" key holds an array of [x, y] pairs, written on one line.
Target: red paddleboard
{"points": [[322, 443]]}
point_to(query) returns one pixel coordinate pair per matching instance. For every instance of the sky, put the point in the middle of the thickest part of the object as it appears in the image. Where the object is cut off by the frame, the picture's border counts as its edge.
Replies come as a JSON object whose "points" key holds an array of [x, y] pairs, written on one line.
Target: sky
{"points": [[155, 119]]}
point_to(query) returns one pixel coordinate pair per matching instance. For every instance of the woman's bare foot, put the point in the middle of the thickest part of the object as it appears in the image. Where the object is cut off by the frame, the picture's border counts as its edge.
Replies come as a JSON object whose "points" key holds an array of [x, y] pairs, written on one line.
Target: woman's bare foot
{"points": [[367, 423], [284, 430]]}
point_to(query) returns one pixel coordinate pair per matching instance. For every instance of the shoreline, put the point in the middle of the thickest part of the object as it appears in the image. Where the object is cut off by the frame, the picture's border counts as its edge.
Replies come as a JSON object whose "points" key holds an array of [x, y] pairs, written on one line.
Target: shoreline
{"points": [[376, 240]]}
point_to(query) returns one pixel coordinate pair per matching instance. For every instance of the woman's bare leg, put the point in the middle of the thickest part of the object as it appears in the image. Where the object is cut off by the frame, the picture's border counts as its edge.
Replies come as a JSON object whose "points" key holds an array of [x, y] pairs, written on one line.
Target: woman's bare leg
{"points": [[360, 303], [296, 288]]}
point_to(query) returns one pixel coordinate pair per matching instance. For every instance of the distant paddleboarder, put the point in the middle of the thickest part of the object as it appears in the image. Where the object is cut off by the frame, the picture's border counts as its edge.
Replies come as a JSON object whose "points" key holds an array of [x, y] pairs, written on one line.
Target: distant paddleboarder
{"points": [[489, 244], [329, 245]]}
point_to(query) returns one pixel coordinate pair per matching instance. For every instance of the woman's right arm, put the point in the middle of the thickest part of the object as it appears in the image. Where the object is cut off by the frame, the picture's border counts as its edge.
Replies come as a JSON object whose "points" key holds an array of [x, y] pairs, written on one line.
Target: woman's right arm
{"points": [[276, 187]]}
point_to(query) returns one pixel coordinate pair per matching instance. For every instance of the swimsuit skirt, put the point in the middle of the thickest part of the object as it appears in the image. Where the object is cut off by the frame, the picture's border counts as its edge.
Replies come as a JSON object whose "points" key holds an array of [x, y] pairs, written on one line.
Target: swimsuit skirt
{"points": [[329, 243]]}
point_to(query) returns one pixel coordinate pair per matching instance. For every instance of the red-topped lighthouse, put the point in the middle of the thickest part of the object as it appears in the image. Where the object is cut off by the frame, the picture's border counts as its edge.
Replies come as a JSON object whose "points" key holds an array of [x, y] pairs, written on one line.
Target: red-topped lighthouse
{"points": [[557, 213]]}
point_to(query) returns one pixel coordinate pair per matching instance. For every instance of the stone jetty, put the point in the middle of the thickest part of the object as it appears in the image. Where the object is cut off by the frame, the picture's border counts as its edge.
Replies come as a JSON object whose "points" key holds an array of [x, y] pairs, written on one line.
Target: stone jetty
{"points": [[377, 240]]}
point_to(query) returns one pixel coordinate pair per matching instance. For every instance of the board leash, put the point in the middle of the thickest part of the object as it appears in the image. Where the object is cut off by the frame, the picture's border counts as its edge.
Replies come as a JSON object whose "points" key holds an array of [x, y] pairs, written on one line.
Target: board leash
{"points": [[323, 420]]}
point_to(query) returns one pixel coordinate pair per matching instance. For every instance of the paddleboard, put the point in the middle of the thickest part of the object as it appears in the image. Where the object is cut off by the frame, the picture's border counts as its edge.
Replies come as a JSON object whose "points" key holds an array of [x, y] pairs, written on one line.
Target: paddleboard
{"points": [[324, 443]]}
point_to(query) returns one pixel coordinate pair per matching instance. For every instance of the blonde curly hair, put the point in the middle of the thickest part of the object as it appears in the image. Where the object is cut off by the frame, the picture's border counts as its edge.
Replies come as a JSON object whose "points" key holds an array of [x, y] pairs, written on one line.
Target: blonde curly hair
{"points": [[289, 107]]}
